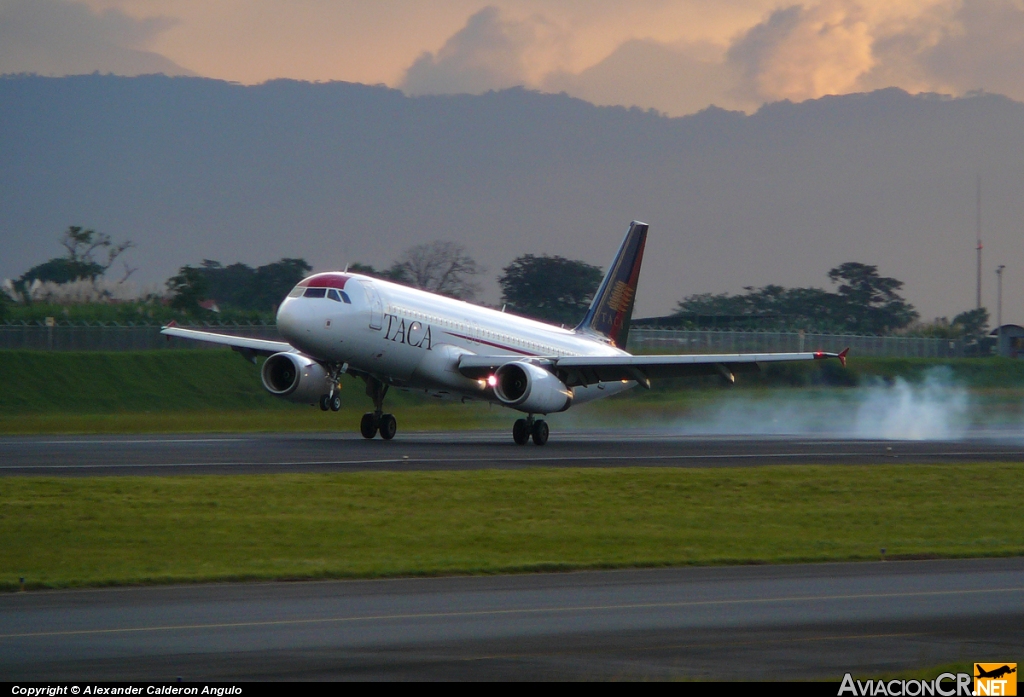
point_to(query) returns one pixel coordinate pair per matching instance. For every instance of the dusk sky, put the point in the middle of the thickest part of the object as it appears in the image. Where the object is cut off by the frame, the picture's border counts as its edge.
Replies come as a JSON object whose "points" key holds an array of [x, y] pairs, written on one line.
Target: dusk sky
{"points": [[677, 56], [891, 183]]}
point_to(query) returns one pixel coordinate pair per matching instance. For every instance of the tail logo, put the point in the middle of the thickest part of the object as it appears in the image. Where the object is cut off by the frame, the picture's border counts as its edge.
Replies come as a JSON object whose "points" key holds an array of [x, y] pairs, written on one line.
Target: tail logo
{"points": [[621, 297]]}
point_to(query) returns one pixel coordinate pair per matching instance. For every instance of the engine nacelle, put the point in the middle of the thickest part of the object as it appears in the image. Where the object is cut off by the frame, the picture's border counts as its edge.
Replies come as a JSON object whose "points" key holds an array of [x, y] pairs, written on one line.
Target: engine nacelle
{"points": [[530, 388], [295, 377]]}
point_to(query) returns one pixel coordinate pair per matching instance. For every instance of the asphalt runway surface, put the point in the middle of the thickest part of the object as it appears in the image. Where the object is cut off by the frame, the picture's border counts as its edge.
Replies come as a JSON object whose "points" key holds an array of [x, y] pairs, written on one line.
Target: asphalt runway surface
{"points": [[786, 622], [781, 622], [333, 452]]}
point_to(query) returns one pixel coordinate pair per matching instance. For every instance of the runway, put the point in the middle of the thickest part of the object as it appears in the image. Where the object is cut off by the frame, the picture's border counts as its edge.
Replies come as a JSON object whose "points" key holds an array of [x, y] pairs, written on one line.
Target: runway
{"points": [[787, 622], [329, 452], [784, 622]]}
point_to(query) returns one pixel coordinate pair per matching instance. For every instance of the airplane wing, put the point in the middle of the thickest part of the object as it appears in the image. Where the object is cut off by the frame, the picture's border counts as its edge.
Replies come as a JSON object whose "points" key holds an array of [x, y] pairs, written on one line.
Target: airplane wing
{"points": [[250, 348], [587, 370]]}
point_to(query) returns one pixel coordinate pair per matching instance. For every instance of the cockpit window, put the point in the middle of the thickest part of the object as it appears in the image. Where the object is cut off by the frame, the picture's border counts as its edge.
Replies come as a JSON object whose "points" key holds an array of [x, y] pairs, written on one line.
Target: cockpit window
{"points": [[315, 292], [339, 296], [296, 291]]}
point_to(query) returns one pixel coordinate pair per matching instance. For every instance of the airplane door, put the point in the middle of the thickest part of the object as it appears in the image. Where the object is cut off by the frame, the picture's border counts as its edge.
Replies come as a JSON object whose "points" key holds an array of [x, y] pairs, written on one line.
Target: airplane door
{"points": [[373, 300]]}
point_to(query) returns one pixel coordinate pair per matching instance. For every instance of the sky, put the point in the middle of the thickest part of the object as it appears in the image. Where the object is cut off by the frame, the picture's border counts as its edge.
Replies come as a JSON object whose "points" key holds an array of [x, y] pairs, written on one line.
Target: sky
{"points": [[675, 56]]}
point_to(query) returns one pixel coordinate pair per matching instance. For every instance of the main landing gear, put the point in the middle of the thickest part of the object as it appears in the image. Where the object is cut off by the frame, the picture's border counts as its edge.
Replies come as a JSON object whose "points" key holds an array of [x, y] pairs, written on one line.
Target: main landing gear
{"points": [[377, 421], [527, 428]]}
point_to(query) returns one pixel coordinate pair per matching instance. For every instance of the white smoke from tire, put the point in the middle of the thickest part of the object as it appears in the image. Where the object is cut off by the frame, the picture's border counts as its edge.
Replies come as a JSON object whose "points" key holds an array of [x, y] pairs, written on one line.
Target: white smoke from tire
{"points": [[934, 409]]}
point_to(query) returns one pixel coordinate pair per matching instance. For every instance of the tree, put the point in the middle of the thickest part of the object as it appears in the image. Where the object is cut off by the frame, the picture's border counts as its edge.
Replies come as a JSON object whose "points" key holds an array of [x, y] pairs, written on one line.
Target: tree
{"points": [[188, 287], [80, 262], [554, 289], [274, 280], [769, 307], [872, 304], [59, 270], [230, 286], [82, 245], [973, 323], [864, 303], [239, 286], [395, 274], [442, 267]]}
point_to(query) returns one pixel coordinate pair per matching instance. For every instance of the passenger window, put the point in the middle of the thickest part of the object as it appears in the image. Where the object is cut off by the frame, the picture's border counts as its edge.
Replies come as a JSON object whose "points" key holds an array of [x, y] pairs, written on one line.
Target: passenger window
{"points": [[315, 292]]}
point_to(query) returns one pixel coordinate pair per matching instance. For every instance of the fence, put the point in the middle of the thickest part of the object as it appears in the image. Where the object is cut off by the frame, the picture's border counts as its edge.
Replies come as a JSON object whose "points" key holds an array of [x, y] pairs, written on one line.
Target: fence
{"points": [[717, 341], [139, 337], [111, 336]]}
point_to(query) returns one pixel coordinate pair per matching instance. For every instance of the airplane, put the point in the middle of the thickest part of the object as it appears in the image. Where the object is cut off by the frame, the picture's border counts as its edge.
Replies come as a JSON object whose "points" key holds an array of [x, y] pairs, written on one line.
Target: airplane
{"points": [[995, 673], [392, 335]]}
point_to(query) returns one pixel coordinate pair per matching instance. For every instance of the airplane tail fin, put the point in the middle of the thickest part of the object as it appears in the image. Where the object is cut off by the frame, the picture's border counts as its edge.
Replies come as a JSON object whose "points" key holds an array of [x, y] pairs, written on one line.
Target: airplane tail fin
{"points": [[612, 307]]}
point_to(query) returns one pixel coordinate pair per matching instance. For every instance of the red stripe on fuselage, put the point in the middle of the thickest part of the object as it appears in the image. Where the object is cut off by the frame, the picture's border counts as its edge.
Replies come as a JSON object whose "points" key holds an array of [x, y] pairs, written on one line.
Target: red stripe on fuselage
{"points": [[490, 343]]}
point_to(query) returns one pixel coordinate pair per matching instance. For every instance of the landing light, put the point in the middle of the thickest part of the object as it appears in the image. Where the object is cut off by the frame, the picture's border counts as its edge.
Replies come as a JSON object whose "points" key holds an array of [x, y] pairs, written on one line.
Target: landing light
{"points": [[492, 380]]}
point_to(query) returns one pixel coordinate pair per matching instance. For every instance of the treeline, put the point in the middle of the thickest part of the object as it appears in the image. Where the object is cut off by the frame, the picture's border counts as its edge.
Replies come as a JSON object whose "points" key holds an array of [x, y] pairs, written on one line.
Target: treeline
{"points": [[549, 288], [863, 303], [211, 286], [78, 286]]}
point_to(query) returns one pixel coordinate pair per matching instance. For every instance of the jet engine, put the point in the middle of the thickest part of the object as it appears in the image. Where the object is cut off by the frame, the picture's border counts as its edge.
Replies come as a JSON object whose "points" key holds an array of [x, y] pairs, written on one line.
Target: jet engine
{"points": [[295, 377], [530, 388]]}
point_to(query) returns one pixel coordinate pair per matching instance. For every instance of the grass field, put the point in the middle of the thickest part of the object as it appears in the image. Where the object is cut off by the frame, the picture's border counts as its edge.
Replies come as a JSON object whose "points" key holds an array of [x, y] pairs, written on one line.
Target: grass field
{"points": [[119, 530], [190, 391], [423, 417], [186, 391]]}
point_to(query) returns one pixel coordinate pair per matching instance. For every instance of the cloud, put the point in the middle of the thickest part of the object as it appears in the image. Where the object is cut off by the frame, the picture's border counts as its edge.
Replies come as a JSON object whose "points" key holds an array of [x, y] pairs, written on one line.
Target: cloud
{"points": [[802, 53], [59, 37], [797, 52], [841, 46], [675, 79], [491, 52], [982, 48], [677, 56]]}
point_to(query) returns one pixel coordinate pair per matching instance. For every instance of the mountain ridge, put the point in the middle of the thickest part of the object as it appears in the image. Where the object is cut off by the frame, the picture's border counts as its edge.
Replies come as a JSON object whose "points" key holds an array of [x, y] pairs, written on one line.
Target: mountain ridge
{"points": [[194, 168]]}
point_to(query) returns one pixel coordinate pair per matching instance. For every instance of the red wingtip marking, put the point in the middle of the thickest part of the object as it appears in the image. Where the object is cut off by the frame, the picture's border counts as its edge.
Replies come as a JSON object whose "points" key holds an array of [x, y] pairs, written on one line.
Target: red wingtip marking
{"points": [[842, 356], [818, 355], [172, 323]]}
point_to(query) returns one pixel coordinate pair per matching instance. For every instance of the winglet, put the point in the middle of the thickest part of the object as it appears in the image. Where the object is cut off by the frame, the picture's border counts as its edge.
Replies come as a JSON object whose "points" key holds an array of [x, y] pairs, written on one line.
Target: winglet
{"points": [[842, 356]]}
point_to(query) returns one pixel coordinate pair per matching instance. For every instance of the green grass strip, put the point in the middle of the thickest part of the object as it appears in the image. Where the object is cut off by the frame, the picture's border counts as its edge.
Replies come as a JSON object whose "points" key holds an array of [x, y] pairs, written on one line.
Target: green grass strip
{"points": [[123, 530], [431, 417]]}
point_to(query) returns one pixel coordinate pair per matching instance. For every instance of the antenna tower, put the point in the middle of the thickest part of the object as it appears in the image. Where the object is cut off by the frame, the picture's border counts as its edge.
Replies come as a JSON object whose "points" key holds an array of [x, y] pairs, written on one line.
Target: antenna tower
{"points": [[977, 220]]}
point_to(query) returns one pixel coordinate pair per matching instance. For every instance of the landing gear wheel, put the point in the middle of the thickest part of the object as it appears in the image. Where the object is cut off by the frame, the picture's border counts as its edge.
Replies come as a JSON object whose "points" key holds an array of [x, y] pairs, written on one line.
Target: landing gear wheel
{"points": [[521, 432], [540, 432], [325, 402], [368, 426], [335, 402], [388, 426]]}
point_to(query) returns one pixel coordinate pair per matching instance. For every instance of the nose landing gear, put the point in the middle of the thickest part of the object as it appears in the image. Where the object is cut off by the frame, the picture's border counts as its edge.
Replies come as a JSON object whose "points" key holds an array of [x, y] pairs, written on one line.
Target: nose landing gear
{"points": [[332, 400], [524, 429]]}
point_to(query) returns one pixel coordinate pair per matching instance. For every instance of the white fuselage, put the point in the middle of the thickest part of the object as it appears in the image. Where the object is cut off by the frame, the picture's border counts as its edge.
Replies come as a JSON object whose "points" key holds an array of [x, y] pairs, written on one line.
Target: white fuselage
{"points": [[412, 339]]}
